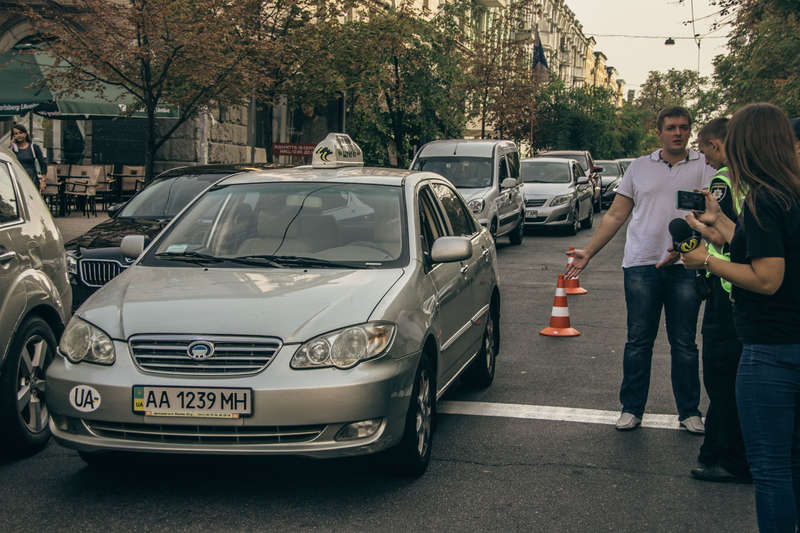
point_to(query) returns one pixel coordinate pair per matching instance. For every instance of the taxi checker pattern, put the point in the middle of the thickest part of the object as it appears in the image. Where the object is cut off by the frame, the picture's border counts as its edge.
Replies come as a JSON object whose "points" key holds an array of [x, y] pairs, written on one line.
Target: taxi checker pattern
{"points": [[344, 302]]}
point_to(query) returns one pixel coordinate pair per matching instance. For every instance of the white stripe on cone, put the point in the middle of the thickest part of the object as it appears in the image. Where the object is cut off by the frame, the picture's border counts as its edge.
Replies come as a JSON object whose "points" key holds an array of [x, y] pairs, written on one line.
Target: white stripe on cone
{"points": [[561, 292], [560, 311]]}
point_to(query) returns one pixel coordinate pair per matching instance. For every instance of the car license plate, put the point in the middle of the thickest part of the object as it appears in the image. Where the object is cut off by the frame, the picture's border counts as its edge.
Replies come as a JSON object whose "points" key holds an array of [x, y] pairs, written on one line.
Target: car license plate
{"points": [[198, 402], [531, 212]]}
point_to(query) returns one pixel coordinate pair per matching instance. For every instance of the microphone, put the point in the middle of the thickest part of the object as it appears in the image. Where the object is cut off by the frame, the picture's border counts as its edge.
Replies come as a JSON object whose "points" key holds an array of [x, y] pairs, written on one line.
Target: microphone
{"points": [[684, 238]]}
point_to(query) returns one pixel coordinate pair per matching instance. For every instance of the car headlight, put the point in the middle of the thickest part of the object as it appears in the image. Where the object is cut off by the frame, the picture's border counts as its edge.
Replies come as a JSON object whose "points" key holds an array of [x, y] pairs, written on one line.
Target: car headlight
{"points": [[72, 263], [559, 200], [82, 341], [477, 205], [346, 347]]}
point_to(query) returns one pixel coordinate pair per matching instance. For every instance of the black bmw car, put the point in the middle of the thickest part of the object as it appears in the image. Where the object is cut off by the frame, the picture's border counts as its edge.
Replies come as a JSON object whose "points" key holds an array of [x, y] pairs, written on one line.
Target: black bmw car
{"points": [[94, 258]]}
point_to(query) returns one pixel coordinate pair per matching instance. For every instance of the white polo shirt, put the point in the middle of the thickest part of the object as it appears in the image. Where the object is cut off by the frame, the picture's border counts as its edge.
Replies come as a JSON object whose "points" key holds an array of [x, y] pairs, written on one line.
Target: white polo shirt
{"points": [[651, 183]]}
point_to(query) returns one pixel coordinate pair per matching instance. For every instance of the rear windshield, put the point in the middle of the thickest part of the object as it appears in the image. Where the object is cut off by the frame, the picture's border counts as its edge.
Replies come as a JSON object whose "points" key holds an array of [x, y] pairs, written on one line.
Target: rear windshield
{"points": [[544, 172], [164, 198], [463, 172]]}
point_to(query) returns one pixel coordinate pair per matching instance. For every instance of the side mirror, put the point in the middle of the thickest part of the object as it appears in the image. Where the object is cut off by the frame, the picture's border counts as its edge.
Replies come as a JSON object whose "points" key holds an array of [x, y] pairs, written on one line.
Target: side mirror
{"points": [[597, 169], [132, 246], [583, 180], [451, 249], [508, 183]]}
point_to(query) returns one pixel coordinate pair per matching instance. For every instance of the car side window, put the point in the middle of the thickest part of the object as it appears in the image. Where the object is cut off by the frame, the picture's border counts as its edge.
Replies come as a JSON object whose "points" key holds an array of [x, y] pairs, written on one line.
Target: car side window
{"points": [[581, 170], [513, 164], [431, 226], [577, 172], [503, 170], [460, 220], [9, 205]]}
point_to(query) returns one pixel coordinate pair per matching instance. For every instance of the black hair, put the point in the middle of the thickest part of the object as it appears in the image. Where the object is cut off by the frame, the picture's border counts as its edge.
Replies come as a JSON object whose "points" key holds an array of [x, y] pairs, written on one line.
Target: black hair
{"points": [[24, 130]]}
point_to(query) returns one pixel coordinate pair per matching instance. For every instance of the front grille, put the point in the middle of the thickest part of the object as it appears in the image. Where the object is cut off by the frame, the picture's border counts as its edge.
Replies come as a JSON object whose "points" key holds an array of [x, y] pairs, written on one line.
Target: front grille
{"points": [[168, 354], [535, 219], [98, 272], [535, 202], [175, 434]]}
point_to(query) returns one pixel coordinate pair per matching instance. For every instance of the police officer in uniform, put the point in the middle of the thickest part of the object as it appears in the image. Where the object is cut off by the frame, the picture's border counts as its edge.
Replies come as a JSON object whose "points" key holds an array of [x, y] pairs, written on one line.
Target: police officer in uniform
{"points": [[722, 455]]}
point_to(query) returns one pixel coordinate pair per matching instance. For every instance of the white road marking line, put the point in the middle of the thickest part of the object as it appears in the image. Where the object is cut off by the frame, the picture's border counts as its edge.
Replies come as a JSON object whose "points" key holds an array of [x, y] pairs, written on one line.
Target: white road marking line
{"points": [[545, 412]]}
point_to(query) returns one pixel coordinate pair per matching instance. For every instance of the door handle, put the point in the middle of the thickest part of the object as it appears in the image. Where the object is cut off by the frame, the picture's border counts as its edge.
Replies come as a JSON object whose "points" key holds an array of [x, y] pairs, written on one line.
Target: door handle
{"points": [[485, 254], [5, 257], [464, 269]]}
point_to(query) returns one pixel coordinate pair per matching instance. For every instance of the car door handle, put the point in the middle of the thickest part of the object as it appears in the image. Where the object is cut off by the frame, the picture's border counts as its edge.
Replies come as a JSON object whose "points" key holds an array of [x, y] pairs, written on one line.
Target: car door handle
{"points": [[464, 269], [485, 254], [5, 257]]}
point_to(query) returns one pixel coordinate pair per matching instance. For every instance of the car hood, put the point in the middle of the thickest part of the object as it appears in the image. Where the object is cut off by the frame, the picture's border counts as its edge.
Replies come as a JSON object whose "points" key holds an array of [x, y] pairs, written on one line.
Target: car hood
{"points": [[109, 234], [473, 194], [293, 304], [545, 189]]}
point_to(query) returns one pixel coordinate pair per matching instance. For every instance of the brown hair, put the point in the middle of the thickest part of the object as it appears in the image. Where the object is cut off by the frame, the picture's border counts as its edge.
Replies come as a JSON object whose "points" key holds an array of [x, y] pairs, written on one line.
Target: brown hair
{"points": [[716, 129], [674, 111], [761, 156], [21, 128]]}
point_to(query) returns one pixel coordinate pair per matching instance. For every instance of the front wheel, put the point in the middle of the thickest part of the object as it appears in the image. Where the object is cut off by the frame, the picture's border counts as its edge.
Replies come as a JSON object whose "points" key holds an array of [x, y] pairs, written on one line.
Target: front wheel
{"points": [[23, 411], [410, 458]]}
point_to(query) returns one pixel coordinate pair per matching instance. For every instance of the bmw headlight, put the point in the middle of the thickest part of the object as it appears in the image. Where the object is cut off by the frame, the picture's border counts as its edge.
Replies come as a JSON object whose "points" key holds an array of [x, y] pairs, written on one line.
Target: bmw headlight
{"points": [[560, 200], [82, 341], [72, 263], [477, 205], [346, 347]]}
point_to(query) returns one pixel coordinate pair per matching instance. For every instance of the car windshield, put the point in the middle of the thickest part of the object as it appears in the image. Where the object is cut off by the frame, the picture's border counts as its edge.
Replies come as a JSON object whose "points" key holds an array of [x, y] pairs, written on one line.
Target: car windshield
{"points": [[610, 168], [544, 172], [625, 164], [164, 198], [579, 157], [310, 225], [463, 172]]}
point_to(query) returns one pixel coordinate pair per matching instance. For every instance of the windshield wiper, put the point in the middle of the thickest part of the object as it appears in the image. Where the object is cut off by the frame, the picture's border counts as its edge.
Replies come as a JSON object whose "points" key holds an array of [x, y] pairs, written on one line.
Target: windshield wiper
{"points": [[189, 256], [296, 260], [258, 260]]}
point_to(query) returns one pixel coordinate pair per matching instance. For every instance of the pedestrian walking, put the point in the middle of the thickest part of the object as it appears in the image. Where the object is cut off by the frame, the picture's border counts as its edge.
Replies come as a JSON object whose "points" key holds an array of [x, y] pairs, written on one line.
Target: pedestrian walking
{"points": [[29, 155], [722, 456], [765, 273], [647, 192]]}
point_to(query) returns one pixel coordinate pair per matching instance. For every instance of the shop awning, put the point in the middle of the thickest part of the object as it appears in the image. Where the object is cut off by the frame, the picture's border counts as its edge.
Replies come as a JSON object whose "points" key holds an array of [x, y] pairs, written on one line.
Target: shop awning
{"points": [[22, 91]]}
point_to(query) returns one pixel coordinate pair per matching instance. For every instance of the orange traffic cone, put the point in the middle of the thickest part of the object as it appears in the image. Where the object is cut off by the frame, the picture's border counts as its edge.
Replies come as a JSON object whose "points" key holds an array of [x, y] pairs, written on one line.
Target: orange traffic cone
{"points": [[559, 318], [573, 285]]}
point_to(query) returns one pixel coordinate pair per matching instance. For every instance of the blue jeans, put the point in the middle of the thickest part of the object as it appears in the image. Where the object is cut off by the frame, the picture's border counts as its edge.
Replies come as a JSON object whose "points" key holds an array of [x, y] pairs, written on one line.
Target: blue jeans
{"points": [[647, 290], [768, 397]]}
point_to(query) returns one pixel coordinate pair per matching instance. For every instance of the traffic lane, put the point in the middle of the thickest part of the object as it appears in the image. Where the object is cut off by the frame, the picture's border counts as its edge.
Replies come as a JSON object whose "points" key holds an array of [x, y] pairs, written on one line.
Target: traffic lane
{"points": [[583, 371], [486, 473]]}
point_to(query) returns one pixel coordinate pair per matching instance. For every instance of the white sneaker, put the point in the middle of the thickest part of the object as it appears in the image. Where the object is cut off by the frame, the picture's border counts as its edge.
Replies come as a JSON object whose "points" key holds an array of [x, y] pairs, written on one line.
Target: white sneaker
{"points": [[694, 424], [627, 422]]}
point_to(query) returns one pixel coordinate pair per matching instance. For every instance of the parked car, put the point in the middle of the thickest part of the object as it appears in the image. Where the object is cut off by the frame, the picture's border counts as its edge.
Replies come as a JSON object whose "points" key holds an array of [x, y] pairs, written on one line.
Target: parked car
{"points": [[317, 311], [625, 163], [486, 173], [35, 303], [557, 193], [610, 178], [95, 258], [592, 171]]}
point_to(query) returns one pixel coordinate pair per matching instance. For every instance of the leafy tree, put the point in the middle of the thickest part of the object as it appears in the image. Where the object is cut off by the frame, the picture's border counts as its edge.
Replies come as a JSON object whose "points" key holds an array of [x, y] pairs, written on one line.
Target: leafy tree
{"points": [[763, 63], [675, 87], [405, 81]]}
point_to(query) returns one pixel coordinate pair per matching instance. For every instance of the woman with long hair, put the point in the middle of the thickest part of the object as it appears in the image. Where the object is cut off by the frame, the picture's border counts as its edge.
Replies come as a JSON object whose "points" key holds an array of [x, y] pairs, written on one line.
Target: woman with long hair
{"points": [[765, 273], [29, 154]]}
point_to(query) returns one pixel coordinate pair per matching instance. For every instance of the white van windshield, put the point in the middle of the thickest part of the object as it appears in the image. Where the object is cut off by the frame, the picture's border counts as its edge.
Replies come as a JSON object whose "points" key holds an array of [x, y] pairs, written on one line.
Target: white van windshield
{"points": [[463, 172]]}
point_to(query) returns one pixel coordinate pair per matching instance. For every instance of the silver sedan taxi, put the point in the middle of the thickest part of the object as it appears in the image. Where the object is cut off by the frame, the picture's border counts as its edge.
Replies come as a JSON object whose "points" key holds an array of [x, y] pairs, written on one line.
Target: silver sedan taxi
{"points": [[317, 311]]}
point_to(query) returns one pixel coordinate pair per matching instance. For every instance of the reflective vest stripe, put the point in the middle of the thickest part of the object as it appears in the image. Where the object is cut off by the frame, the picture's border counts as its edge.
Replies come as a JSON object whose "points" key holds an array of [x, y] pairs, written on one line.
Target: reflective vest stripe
{"points": [[737, 207]]}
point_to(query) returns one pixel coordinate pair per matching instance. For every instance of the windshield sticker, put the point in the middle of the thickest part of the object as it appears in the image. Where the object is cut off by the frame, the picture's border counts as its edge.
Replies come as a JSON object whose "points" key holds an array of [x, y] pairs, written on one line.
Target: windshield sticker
{"points": [[176, 248]]}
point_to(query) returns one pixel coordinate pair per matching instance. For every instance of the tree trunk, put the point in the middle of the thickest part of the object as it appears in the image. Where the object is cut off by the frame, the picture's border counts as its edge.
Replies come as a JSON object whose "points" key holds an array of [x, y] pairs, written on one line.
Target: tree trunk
{"points": [[150, 143]]}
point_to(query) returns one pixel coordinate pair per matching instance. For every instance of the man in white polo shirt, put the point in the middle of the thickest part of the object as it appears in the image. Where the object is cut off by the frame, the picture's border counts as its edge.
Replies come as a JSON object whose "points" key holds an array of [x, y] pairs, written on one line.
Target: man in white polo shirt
{"points": [[647, 191]]}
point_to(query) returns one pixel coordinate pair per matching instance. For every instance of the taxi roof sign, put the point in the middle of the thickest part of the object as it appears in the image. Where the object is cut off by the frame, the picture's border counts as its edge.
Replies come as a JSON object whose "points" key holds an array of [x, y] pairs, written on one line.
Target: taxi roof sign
{"points": [[337, 150]]}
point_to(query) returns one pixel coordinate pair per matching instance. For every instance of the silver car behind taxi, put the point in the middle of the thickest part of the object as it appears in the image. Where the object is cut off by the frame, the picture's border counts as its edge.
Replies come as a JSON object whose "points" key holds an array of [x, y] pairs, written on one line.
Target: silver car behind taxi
{"points": [[316, 311], [557, 193]]}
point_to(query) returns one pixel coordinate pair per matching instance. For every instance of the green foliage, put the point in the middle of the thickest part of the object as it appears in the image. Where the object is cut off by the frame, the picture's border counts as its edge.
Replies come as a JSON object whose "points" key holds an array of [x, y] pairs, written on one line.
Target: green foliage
{"points": [[763, 63], [585, 118], [677, 87]]}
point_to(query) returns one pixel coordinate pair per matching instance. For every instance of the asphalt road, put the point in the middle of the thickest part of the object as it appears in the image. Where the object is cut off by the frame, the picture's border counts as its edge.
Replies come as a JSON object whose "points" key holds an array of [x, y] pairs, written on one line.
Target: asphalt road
{"points": [[493, 473]]}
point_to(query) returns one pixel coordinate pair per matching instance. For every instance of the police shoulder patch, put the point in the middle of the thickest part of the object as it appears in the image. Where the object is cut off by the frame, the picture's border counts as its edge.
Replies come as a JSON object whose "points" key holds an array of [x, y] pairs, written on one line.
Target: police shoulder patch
{"points": [[718, 191]]}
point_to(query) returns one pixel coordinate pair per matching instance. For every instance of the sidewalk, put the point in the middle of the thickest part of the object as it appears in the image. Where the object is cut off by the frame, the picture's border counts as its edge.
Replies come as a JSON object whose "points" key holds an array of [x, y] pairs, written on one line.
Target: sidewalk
{"points": [[76, 224]]}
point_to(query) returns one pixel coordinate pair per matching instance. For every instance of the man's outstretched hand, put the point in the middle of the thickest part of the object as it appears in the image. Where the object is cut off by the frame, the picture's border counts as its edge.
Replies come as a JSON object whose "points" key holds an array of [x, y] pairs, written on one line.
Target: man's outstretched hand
{"points": [[579, 261]]}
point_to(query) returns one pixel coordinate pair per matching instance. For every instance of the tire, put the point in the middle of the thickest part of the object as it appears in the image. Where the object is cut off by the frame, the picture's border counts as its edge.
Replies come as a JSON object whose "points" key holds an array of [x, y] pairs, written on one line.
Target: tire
{"points": [[518, 234], [480, 372], [575, 225], [587, 222], [411, 456], [24, 417]]}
